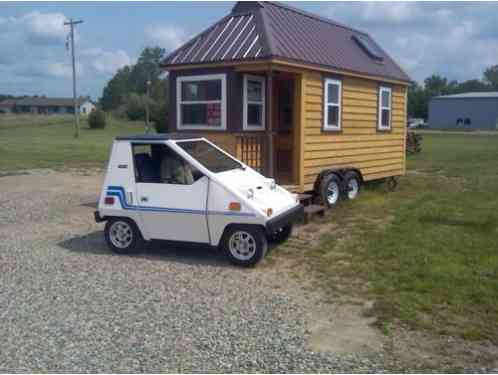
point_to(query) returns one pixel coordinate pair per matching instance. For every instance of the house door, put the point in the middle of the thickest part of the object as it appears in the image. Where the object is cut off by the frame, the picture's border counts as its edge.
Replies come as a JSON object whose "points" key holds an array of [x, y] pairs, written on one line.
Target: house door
{"points": [[283, 126], [171, 196]]}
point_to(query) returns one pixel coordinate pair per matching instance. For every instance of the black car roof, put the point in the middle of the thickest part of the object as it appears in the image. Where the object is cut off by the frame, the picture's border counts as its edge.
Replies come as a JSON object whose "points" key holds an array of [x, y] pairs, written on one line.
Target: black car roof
{"points": [[157, 137]]}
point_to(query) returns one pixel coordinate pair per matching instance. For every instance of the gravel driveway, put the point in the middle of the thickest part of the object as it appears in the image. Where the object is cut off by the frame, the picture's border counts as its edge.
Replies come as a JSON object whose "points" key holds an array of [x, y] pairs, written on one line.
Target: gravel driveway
{"points": [[68, 305]]}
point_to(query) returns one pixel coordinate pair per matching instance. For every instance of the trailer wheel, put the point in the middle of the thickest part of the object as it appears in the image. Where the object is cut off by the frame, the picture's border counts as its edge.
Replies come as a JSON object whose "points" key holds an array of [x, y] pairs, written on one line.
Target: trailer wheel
{"points": [[123, 236], [245, 245], [330, 189], [352, 184], [282, 234]]}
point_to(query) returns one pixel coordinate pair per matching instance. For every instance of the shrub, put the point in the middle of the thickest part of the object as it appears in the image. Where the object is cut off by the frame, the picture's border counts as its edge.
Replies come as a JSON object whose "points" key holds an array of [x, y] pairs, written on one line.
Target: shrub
{"points": [[96, 119], [135, 106], [159, 117]]}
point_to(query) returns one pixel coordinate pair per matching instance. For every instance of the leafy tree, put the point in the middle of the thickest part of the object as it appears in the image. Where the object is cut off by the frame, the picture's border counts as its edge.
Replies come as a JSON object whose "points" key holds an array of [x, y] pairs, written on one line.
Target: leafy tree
{"points": [[146, 68], [125, 92], [417, 101], [491, 77], [159, 116], [135, 106], [116, 90], [436, 85], [472, 85]]}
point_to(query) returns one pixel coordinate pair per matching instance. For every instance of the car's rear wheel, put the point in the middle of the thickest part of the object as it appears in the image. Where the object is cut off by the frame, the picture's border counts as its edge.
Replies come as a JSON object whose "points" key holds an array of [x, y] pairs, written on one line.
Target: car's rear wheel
{"points": [[123, 236], [245, 245], [352, 185]]}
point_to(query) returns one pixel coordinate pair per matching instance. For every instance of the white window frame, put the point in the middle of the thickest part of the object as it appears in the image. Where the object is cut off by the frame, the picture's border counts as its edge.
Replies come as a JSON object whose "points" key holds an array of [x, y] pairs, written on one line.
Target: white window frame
{"points": [[246, 102], [326, 104], [179, 102], [383, 89]]}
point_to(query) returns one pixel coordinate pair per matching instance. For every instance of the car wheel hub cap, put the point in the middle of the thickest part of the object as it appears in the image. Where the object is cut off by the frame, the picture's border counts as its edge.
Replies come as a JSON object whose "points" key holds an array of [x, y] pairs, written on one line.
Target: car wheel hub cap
{"points": [[332, 192], [242, 245], [352, 188], [121, 234]]}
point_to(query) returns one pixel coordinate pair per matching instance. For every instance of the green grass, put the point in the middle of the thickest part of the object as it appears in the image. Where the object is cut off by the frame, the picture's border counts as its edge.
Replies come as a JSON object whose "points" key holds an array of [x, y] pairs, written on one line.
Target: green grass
{"points": [[28, 141], [427, 253]]}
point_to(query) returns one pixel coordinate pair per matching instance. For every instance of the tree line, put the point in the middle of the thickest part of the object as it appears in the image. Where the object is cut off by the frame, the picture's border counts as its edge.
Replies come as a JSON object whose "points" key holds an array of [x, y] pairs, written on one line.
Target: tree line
{"points": [[435, 85], [125, 95]]}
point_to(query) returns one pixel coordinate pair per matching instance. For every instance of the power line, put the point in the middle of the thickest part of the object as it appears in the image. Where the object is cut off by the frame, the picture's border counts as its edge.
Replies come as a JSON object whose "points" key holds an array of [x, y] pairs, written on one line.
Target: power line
{"points": [[71, 24]]}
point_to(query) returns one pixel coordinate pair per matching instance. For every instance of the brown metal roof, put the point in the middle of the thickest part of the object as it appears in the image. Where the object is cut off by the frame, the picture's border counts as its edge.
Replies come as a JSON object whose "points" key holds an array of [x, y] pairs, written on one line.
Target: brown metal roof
{"points": [[8, 103], [235, 37], [262, 30]]}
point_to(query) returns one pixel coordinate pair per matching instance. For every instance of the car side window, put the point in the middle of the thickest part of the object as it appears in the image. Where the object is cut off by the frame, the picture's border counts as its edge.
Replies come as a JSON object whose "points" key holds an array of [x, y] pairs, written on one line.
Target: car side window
{"points": [[158, 164]]}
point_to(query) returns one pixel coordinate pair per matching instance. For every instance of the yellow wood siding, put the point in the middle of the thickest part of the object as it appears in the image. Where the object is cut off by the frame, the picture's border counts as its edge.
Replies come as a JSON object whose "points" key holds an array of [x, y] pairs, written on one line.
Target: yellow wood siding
{"points": [[359, 144]]}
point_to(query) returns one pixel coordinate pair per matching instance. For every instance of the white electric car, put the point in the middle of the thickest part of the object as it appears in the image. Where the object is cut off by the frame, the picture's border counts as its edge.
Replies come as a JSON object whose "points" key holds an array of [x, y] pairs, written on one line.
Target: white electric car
{"points": [[185, 188]]}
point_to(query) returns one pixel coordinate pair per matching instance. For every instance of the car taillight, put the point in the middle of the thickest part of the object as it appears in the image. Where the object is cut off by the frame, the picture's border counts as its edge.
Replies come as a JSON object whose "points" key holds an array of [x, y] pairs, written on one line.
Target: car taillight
{"points": [[109, 200], [269, 212]]}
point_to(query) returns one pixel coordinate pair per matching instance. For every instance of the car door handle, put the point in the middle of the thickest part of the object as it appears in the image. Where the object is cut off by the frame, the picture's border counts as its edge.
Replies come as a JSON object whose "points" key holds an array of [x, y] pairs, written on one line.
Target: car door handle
{"points": [[144, 199]]}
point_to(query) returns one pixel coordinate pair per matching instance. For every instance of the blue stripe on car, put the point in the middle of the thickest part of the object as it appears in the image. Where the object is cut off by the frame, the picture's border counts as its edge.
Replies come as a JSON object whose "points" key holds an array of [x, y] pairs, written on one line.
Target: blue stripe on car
{"points": [[118, 191]]}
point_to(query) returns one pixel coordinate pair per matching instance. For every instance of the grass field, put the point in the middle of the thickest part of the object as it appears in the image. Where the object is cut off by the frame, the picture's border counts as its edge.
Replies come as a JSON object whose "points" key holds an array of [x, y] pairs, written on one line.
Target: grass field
{"points": [[426, 253], [28, 141]]}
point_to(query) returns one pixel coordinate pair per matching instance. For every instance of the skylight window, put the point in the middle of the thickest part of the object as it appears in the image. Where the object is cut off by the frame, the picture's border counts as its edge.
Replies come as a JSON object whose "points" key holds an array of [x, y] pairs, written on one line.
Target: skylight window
{"points": [[369, 47]]}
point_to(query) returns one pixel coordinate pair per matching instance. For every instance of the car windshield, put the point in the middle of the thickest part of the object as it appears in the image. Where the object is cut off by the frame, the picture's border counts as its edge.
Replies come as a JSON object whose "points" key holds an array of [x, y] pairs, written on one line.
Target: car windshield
{"points": [[209, 156]]}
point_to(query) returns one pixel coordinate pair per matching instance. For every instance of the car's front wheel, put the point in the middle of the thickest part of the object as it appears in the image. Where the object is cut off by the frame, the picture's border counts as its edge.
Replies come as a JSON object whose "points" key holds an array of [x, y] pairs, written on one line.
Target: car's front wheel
{"points": [[245, 245], [123, 236]]}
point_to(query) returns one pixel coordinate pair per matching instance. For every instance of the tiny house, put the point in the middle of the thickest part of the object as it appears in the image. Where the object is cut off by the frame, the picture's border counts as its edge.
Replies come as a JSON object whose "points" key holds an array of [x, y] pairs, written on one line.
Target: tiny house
{"points": [[291, 94]]}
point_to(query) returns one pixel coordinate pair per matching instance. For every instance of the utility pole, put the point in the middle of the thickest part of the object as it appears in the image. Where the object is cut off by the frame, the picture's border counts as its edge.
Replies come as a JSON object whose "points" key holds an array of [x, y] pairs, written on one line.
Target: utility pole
{"points": [[71, 24], [147, 114]]}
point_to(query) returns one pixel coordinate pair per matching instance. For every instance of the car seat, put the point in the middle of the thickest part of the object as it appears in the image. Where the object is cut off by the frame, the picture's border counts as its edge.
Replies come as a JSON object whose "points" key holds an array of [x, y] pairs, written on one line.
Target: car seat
{"points": [[146, 169]]}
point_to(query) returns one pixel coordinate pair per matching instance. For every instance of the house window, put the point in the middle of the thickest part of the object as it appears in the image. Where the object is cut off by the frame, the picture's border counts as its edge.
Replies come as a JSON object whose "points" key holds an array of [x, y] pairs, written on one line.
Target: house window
{"points": [[201, 102], [254, 102], [332, 104], [385, 105]]}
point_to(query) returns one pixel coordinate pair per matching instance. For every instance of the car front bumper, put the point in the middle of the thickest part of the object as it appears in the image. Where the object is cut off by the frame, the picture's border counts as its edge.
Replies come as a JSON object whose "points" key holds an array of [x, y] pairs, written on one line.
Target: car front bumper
{"points": [[288, 217], [98, 218]]}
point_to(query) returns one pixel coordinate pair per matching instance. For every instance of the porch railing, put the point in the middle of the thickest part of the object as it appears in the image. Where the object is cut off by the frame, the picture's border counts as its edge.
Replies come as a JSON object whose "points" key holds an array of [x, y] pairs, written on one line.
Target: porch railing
{"points": [[252, 149]]}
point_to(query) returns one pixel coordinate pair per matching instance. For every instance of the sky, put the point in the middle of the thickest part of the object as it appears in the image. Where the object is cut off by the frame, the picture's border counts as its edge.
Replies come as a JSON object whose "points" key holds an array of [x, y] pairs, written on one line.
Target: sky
{"points": [[457, 40]]}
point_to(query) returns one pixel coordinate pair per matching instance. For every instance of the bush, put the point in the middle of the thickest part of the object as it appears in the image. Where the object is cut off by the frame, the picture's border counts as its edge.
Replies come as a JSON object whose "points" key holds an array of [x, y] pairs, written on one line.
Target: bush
{"points": [[96, 119], [135, 106], [159, 117]]}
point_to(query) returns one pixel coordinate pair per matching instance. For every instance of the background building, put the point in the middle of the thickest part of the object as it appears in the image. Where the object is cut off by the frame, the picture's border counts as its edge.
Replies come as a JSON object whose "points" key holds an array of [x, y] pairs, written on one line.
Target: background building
{"points": [[472, 110], [44, 105]]}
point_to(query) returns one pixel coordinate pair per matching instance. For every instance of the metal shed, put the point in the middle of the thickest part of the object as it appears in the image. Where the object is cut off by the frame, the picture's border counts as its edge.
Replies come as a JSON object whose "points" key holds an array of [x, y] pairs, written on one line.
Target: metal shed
{"points": [[472, 110]]}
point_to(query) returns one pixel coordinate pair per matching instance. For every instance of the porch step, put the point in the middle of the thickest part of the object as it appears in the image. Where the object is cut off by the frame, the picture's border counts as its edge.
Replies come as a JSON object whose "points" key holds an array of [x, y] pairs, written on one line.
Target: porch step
{"points": [[312, 210], [305, 199]]}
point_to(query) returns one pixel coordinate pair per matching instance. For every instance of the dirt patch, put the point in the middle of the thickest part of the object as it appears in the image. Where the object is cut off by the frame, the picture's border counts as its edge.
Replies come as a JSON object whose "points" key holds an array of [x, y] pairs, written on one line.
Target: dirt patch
{"points": [[343, 329]]}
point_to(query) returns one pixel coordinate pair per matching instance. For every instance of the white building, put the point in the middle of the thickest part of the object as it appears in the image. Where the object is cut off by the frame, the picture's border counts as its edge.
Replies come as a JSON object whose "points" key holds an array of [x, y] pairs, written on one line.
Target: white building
{"points": [[87, 107]]}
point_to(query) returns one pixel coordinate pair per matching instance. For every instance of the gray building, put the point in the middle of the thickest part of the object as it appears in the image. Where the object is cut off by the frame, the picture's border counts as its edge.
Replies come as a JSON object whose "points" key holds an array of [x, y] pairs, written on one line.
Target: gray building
{"points": [[472, 110]]}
